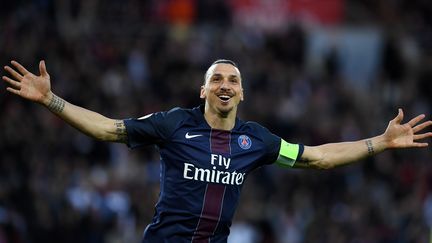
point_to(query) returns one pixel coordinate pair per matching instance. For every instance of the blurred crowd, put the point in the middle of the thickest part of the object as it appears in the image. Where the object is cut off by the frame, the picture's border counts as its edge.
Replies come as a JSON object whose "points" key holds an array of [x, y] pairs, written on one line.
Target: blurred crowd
{"points": [[309, 77]]}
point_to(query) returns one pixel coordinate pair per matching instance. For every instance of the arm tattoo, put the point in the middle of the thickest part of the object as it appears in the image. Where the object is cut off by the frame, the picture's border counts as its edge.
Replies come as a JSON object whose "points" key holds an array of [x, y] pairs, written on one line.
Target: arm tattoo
{"points": [[56, 104], [120, 131], [370, 147]]}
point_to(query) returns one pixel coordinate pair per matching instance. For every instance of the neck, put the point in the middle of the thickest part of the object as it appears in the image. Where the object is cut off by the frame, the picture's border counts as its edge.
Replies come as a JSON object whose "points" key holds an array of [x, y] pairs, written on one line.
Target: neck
{"points": [[220, 121]]}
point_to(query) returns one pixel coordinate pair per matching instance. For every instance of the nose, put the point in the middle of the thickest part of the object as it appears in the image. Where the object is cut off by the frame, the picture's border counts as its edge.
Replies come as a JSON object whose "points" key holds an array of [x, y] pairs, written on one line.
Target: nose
{"points": [[225, 85]]}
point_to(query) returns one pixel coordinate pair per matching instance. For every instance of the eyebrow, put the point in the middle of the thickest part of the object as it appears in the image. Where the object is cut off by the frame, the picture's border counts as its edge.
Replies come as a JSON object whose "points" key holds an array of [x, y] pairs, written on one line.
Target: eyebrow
{"points": [[220, 75]]}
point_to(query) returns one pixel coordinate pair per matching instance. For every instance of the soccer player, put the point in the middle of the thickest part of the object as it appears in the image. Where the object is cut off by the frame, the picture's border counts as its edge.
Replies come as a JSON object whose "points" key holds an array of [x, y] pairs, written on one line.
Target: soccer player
{"points": [[207, 152]]}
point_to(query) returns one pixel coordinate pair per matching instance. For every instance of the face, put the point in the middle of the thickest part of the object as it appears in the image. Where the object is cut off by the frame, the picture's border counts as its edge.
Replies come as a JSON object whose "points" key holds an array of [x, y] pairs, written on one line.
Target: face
{"points": [[223, 89]]}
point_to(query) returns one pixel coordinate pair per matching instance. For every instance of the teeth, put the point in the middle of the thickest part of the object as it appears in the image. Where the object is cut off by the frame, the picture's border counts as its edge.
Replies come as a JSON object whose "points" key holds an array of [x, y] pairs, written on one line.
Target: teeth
{"points": [[224, 98]]}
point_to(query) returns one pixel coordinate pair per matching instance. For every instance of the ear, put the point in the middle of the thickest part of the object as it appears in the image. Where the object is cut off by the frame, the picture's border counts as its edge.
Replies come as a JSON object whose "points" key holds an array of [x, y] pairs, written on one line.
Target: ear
{"points": [[202, 92], [241, 95]]}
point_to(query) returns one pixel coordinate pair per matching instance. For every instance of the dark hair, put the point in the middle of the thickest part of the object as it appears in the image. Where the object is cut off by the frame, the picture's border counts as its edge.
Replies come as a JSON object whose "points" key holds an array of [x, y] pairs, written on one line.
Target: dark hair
{"points": [[225, 61]]}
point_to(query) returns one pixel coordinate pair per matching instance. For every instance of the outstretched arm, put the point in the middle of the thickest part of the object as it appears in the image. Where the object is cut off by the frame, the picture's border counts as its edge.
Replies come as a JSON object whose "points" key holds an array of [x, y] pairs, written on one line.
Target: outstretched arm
{"points": [[38, 89], [396, 136]]}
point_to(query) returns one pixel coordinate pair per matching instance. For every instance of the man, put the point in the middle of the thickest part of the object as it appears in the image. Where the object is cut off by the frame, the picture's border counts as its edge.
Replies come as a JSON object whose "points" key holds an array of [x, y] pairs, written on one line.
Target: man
{"points": [[207, 152]]}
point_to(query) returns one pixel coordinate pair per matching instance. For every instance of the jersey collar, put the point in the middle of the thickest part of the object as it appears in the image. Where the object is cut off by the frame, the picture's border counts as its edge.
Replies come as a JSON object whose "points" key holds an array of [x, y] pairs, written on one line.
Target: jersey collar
{"points": [[199, 115]]}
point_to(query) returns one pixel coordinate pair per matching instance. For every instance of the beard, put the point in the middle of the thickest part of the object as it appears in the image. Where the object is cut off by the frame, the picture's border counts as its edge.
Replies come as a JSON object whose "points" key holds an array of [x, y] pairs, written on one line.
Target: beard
{"points": [[221, 108], [225, 111]]}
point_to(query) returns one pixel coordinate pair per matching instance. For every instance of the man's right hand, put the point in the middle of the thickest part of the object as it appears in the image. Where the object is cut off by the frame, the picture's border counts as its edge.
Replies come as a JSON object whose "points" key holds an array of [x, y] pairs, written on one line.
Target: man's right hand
{"points": [[38, 88], [27, 85]]}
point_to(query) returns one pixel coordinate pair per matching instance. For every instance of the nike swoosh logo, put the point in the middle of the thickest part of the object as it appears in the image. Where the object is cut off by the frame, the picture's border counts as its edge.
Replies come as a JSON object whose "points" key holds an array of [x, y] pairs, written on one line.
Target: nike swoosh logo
{"points": [[187, 136]]}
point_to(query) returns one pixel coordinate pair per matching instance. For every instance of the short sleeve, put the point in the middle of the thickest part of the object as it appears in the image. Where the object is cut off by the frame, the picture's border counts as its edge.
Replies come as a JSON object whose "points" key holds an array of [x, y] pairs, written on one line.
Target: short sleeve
{"points": [[154, 128], [278, 150]]}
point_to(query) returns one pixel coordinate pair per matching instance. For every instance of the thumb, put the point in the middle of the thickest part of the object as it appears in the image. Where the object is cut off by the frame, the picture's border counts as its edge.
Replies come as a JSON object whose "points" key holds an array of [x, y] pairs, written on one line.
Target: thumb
{"points": [[398, 119], [42, 69]]}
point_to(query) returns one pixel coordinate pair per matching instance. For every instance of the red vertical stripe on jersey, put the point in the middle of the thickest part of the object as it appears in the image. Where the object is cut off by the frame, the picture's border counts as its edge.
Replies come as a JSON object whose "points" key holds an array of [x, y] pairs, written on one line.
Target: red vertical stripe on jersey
{"points": [[220, 142], [210, 214], [214, 195]]}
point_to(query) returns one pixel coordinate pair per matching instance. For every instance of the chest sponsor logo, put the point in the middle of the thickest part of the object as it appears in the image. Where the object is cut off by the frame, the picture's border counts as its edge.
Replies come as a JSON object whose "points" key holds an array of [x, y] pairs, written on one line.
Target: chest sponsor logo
{"points": [[244, 142], [216, 174], [189, 136]]}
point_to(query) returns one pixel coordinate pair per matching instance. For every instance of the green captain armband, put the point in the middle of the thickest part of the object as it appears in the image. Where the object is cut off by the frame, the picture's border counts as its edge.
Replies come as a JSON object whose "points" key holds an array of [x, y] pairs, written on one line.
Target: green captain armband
{"points": [[288, 153]]}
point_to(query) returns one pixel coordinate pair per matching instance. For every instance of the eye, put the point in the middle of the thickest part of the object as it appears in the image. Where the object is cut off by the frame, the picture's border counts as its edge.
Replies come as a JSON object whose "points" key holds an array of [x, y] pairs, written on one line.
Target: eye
{"points": [[234, 80], [216, 79]]}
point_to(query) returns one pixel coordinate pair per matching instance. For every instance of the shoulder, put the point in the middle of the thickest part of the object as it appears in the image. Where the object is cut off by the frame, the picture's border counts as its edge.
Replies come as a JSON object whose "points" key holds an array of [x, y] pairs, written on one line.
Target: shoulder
{"points": [[269, 143], [173, 115], [158, 126], [179, 111], [254, 126], [260, 130], [161, 119]]}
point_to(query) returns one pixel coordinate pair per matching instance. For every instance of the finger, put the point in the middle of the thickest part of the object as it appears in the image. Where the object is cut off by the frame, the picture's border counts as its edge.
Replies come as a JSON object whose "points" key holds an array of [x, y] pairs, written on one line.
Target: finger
{"points": [[12, 82], [14, 73], [14, 91], [398, 119], [422, 126], [419, 145], [422, 136], [20, 68], [42, 69], [416, 119]]}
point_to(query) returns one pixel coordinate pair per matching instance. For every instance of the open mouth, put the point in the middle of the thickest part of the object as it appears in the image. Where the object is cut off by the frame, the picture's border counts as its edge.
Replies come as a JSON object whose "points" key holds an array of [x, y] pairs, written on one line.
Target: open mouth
{"points": [[224, 98]]}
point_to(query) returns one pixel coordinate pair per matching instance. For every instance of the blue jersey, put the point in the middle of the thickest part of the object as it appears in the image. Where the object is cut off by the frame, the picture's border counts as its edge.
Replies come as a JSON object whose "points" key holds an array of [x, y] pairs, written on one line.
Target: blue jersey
{"points": [[202, 171]]}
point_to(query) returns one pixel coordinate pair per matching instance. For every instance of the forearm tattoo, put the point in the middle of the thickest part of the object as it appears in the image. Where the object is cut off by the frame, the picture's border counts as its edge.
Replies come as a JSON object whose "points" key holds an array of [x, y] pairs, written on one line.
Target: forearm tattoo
{"points": [[121, 131], [370, 147], [56, 104]]}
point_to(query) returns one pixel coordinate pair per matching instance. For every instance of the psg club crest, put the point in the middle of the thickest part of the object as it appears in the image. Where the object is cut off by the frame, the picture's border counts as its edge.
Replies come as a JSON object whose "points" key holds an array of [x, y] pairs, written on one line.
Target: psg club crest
{"points": [[244, 142]]}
